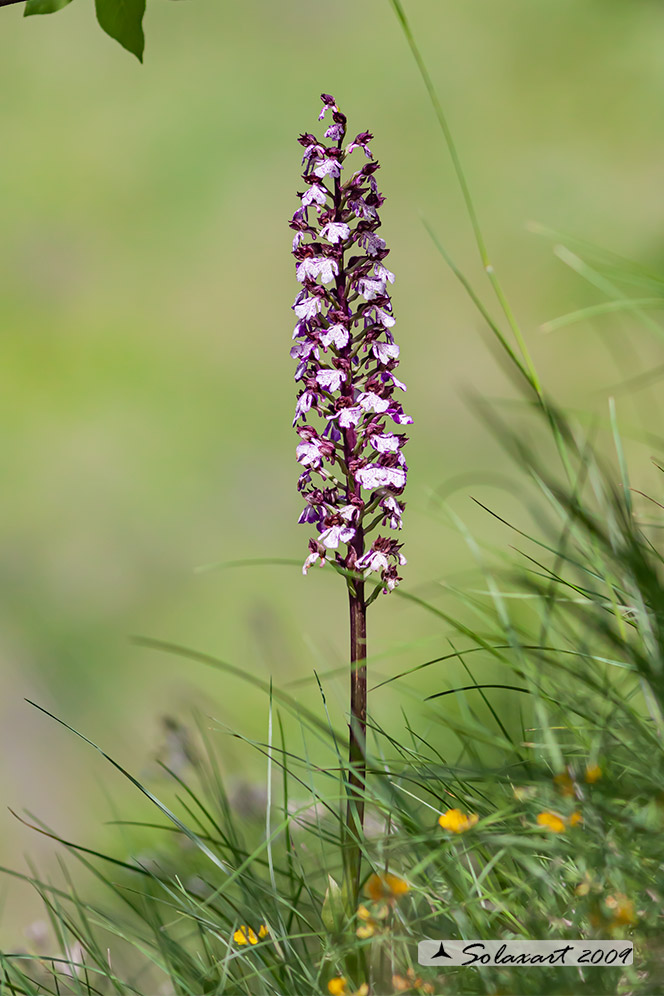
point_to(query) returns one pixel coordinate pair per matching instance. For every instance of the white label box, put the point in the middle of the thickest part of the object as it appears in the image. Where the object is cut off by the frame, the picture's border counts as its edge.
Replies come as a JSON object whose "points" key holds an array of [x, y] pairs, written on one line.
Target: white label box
{"points": [[525, 954]]}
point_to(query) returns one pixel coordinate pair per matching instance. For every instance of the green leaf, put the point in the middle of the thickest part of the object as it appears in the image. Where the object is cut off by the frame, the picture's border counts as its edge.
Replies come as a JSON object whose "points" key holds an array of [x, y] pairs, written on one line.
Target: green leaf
{"points": [[44, 6], [123, 20]]}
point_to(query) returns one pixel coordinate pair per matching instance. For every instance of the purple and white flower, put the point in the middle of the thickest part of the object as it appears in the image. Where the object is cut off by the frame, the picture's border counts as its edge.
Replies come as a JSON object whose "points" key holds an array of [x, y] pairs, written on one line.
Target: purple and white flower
{"points": [[330, 379], [326, 269], [327, 167], [385, 442], [335, 231], [376, 476], [314, 195], [371, 402], [349, 416], [334, 535], [307, 307], [346, 359], [336, 335], [385, 351]]}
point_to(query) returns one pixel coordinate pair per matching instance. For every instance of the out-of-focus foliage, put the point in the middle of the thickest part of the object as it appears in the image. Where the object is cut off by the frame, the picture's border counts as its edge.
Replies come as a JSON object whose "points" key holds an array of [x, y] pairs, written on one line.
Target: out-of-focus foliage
{"points": [[121, 19]]}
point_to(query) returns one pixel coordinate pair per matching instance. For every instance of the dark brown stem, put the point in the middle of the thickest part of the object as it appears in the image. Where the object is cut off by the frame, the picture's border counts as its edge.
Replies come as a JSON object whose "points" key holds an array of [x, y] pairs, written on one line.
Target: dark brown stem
{"points": [[358, 736]]}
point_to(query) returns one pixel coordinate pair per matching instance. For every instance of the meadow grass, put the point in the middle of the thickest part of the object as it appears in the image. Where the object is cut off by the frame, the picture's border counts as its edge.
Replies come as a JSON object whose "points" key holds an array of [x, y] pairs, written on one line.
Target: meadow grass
{"points": [[544, 822]]}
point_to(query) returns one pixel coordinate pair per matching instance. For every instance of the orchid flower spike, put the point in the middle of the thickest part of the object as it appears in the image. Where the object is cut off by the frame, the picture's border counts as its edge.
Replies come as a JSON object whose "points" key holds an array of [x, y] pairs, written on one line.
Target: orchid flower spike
{"points": [[353, 468]]}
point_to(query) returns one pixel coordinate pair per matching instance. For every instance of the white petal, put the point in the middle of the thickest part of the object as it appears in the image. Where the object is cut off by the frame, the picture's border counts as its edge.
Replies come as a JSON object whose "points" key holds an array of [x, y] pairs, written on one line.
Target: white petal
{"points": [[336, 334], [330, 379], [373, 402], [385, 442], [335, 231]]}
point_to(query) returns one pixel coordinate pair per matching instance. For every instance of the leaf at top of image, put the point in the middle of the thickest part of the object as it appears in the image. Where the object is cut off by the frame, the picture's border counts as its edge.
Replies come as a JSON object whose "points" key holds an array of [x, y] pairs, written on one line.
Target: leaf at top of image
{"points": [[44, 6], [123, 20]]}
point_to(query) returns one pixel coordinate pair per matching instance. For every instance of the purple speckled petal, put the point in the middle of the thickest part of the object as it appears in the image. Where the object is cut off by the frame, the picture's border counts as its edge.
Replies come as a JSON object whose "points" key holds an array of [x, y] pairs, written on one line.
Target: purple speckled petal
{"points": [[330, 379], [385, 351], [370, 287], [336, 335], [335, 132], [372, 243], [374, 476], [335, 231], [309, 455], [327, 167], [332, 537], [304, 403], [307, 308], [314, 195], [371, 402], [349, 417], [385, 442]]}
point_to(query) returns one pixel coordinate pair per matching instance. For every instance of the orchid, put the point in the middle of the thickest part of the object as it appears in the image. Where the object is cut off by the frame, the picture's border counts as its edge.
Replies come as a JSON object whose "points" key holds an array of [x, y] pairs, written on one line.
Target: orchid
{"points": [[347, 355], [353, 468]]}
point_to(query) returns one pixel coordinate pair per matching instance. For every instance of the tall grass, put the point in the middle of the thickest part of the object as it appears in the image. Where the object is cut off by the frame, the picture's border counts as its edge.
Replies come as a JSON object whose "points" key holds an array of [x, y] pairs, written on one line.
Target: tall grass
{"points": [[555, 786]]}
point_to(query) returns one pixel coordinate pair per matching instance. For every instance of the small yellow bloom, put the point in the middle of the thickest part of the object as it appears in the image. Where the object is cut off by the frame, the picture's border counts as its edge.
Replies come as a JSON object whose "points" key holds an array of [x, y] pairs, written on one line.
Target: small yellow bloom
{"points": [[583, 888], [386, 887], [624, 914], [337, 986], [565, 783], [368, 926], [403, 983], [593, 773], [456, 821], [551, 821], [245, 935], [575, 818], [263, 931]]}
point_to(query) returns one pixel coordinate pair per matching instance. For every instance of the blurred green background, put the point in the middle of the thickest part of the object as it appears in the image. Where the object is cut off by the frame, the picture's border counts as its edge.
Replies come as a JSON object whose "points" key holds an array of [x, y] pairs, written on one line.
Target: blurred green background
{"points": [[146, 391]]}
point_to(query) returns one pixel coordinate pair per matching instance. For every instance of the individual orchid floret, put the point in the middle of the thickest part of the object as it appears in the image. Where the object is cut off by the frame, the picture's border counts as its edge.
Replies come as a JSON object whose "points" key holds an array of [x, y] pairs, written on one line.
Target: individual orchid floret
{"points": [[353, 468]]}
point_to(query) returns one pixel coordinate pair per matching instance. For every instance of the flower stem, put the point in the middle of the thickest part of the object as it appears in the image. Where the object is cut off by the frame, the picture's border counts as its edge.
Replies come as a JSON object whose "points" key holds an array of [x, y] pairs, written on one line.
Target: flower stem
{"points": [[357, 742]]}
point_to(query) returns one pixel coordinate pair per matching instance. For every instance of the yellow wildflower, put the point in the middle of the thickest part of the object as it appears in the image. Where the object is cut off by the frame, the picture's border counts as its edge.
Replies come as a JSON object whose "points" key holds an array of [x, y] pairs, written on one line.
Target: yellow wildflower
{"points": [[624, 914], [456, 821], [593, 773], [575, 818], [411, 981], [386, 886], [245, 935], [551, 821], [565, 783], [368, 926], [337, 986], [583, 888]]}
